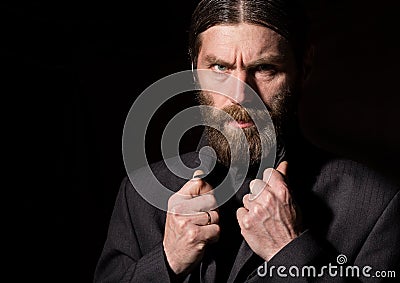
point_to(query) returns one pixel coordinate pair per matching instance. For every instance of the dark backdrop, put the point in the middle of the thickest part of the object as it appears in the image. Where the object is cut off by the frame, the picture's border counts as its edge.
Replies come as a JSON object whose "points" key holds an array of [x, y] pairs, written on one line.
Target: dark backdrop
{"points": [[91, 60]]}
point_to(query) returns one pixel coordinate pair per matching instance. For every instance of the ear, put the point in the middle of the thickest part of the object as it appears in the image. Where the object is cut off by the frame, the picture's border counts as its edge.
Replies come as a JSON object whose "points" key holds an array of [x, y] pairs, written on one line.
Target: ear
{"points": [[194, 74]]}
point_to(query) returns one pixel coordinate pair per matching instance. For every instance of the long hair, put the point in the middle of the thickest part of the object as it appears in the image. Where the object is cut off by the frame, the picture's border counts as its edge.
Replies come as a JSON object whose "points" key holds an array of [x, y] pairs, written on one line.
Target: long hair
{"points": [[286, 17]]}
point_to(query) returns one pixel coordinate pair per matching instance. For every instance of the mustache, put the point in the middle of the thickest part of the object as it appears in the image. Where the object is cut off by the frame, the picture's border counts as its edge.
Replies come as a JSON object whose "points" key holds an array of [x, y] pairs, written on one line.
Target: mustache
{"points": [[244, 113], [259, 117], [238, 113]]}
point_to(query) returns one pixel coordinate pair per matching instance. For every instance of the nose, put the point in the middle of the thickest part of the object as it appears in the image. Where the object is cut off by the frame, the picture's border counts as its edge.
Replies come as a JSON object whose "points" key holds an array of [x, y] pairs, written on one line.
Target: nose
{"points": [[242, 92]]}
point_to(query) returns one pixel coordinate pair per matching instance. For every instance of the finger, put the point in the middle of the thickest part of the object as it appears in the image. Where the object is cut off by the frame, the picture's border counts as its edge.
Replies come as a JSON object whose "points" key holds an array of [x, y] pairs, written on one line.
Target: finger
{"points": [[201, 203], [279, 173], [266, 198], [274, 178], [277, 191], [282, 167], [256, 188], [201, 218], [210, 233], [246, 201], [198, 174], [241, 212], [267, 175], [204, 186], [195, 187], [240, 215]]}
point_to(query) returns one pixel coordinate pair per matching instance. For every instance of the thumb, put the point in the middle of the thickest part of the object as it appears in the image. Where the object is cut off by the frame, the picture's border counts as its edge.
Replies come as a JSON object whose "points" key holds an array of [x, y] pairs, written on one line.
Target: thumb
{"points": [[195, 186], [198, 174], [282, 167]]}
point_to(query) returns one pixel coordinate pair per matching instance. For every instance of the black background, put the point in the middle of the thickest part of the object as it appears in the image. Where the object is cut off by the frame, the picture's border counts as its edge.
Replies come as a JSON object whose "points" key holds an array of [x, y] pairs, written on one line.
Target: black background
{"points": [[88, 61]]}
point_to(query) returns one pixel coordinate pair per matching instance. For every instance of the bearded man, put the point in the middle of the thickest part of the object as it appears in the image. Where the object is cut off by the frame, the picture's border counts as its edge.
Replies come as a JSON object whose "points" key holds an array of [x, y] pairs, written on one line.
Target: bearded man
{"points": [[308, 211]]}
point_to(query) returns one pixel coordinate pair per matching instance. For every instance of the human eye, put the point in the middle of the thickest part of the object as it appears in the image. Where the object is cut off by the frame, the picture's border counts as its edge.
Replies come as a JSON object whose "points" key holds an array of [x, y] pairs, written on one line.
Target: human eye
{"points": [[219, 68], [266, 69]]}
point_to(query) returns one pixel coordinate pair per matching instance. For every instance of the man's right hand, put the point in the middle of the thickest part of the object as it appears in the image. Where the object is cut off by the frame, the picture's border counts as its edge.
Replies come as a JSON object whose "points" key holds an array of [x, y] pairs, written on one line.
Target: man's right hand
{"points": [[187, 227]]}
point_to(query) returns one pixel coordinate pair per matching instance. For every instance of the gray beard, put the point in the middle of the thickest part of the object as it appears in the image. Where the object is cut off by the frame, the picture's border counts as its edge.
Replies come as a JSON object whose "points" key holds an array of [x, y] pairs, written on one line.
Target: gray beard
{"points": [[229, 143]]}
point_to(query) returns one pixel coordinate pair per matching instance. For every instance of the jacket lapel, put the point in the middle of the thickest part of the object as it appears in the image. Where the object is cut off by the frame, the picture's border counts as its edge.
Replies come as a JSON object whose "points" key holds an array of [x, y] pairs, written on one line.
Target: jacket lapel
{"points": [[243, 256]]}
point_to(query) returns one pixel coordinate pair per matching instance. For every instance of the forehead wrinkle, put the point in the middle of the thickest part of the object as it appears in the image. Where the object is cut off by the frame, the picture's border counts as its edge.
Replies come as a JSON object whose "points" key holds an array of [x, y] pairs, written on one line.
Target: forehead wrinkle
{"points": [[227, 44], [221, 51]]}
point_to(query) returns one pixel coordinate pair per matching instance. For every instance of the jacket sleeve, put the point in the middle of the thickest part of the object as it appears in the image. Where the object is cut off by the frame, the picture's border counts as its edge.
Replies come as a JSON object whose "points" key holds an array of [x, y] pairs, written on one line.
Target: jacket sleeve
{"points": [[381, 250], [377, 261], [121, 259], [305, 250]]}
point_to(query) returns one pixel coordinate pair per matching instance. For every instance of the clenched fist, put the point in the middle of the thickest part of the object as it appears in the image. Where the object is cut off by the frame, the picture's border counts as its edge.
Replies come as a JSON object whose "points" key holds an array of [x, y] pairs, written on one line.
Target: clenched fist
{"points": [[191, 223], [269, 219]]}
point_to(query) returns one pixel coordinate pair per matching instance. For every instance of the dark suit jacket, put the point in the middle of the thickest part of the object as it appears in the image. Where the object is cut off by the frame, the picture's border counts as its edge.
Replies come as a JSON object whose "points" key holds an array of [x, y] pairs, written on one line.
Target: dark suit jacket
{"points": [[347, 209]]}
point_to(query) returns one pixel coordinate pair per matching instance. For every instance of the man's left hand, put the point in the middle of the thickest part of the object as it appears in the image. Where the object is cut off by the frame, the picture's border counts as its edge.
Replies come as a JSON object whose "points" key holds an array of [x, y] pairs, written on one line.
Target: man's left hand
{"points": [[268, 220]]}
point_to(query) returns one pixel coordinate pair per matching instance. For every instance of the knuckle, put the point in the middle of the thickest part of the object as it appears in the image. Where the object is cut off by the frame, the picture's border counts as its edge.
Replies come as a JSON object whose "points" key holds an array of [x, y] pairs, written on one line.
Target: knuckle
{"points": [[258, 210], [283, 186], [215, 217], [178, 208], [171, 201], [182, 223], [268, 199], [218, 230], [279, 188], [281, 191], [214, 234], [192, 235], [247, 223], [200, 246], [211, 200]]}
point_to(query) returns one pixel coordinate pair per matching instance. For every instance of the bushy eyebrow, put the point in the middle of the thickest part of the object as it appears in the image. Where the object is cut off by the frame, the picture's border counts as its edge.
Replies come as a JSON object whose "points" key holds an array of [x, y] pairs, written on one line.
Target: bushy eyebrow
{"points": [[265, 60], [212, 59]]}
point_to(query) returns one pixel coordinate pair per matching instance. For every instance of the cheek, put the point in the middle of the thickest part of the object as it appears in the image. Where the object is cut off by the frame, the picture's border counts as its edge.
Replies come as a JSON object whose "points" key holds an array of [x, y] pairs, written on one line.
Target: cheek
{"points": [[269, 90], [219, 100]]}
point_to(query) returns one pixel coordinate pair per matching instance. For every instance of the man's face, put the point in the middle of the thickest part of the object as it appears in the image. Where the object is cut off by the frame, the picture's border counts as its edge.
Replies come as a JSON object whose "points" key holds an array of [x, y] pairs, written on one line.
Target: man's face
{"points": [[263, 60]]}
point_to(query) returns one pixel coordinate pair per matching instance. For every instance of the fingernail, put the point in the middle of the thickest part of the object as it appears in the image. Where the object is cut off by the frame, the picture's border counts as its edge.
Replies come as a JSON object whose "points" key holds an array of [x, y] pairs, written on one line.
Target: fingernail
{"points": [[256, 187], [198, 174]]}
